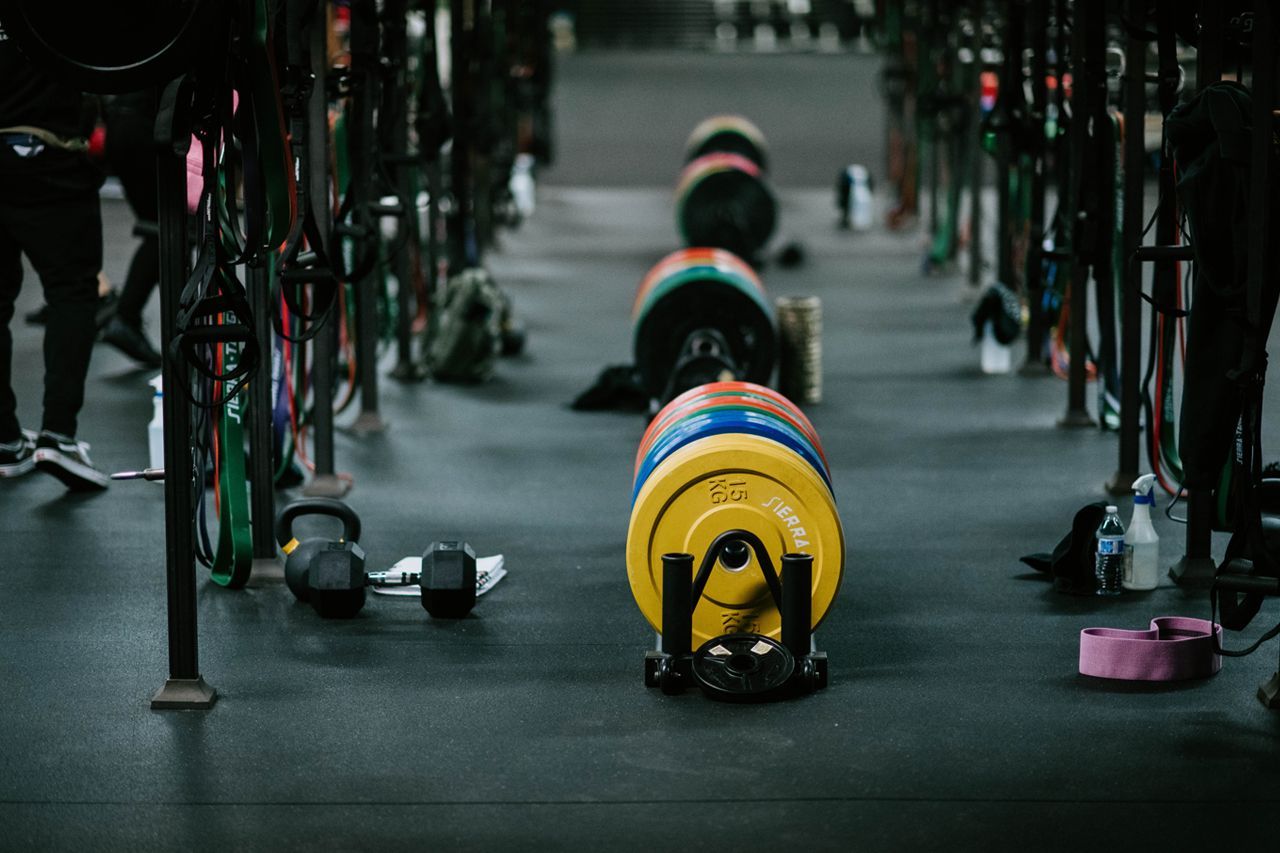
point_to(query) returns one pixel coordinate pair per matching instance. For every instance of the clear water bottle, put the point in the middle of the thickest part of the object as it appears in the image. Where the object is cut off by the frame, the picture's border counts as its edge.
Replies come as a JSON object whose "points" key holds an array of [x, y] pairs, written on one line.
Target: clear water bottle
{"points": [[155, 429], [1108, 567]]}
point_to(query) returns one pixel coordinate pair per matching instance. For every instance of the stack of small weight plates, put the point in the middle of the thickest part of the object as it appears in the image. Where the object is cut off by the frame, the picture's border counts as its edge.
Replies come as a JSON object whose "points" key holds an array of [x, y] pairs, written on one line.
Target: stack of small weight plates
{"points": [[732, 456]]}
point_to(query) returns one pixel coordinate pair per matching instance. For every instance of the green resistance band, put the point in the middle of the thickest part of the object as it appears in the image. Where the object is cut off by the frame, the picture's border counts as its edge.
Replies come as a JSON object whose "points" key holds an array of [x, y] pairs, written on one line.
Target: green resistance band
{"points": [[233, 558]]}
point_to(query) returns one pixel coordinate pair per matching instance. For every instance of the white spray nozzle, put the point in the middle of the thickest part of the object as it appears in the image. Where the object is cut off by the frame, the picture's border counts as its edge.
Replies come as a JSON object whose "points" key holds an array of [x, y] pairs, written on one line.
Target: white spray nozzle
{"points": [[1145, 487]]}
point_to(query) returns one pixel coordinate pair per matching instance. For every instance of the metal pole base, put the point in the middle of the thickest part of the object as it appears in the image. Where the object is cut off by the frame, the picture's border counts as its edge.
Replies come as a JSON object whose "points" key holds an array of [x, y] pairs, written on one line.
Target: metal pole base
{"points": [[1121, 483], [266, 571], [1269, 692], [1075, 419], [184, 694], [1193, 572], [408, 371], [327, 486], [368, 423]]}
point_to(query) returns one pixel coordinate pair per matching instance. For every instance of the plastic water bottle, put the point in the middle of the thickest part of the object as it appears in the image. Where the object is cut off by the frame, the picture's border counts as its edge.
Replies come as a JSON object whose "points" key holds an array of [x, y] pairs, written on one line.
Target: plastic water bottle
{"points": [[522, 185], [1108, 566], [861, 207], [996, 357], [155, 429]]}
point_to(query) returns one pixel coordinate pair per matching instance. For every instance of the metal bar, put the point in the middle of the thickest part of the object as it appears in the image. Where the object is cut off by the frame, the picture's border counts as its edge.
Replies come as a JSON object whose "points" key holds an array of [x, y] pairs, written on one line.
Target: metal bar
{"points": [[928, 123], [394, 124], [261, 467], [1151, 254], [325, 343], [1086, 54], [1196, 568], [677, 604], [1260, 236], [1010, 83], [184, 689], [463, 250], [361, 139], [1135, 108], [1037, 325], [1209, 49], [797, 603], [977, 172]]}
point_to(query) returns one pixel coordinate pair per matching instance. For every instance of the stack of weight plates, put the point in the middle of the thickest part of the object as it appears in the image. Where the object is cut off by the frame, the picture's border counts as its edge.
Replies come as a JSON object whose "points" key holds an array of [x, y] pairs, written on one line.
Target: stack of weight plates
{"points": [[701, 288], [732, 456], [721, 198], [729, 134]]}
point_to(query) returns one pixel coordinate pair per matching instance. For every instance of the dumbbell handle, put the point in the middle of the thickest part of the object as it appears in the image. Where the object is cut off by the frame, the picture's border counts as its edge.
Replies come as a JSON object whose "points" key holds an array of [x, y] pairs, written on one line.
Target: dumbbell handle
{"points": [[391, 578], [155, 475]]}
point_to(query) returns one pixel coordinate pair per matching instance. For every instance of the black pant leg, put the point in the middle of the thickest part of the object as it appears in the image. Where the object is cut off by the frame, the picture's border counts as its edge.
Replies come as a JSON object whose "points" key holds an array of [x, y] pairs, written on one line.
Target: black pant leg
{"points": [[131, 155], [52, 213], [141, 281], [10, 284]]}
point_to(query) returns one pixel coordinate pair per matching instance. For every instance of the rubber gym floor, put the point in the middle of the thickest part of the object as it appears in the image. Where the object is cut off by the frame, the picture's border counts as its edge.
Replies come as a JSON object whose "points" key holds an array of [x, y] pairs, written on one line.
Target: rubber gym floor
{"points": [[955, 718]]}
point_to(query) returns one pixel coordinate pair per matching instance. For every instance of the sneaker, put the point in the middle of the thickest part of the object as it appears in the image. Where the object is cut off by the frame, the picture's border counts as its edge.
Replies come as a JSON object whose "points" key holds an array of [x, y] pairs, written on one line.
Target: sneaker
{"points": [[68, 460], [18, 457], [131, 341]]}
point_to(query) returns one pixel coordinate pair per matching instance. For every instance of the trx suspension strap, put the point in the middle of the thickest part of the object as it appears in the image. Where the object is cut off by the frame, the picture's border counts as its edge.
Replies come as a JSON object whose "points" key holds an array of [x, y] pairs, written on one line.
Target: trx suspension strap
{"points": [[297, 269], [1249, 567], [213, 332]]}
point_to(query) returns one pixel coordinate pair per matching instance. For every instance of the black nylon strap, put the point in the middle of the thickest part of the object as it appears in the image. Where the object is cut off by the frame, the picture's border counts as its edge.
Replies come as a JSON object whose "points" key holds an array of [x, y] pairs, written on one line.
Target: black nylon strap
{"points": [[212, 309]]}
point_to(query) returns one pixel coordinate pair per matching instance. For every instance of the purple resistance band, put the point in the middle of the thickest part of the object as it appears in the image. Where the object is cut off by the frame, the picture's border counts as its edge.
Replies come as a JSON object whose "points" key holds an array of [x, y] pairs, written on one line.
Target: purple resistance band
{"points": [[1174, 648]]}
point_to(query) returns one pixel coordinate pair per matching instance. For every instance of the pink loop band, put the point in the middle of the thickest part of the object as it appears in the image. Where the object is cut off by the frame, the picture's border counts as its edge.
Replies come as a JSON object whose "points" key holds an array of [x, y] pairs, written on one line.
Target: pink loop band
{"points": [[1174, 648]]}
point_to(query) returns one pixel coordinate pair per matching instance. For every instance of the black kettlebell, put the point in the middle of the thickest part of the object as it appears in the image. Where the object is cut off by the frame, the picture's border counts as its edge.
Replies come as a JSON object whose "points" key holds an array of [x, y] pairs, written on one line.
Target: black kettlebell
{"points": [[299, 555]]}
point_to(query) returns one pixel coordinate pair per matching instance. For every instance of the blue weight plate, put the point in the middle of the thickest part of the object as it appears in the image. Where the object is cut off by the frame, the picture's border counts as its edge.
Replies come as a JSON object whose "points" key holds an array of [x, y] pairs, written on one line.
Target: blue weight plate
{"points": [[720, 423], [688, 428], [738, 405]]}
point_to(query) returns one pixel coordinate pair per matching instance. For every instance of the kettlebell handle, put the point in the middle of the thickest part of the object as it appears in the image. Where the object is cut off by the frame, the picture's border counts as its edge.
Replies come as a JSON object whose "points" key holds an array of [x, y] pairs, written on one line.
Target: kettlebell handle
{"points": [[317, 506]]}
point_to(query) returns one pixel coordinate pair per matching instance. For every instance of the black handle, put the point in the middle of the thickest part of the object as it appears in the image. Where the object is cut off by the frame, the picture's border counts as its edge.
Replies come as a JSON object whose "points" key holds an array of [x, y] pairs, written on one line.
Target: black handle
{"points": [[317, 506]]}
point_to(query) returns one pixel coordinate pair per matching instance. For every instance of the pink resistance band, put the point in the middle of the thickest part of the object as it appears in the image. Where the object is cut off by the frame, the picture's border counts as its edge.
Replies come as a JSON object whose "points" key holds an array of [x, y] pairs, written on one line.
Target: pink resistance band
{"points": [[1174, 648]]}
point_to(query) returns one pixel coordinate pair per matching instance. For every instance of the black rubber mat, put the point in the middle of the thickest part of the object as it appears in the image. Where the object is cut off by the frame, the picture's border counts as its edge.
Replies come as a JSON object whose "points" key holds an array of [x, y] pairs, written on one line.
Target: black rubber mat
{"points": [[955, 718]]}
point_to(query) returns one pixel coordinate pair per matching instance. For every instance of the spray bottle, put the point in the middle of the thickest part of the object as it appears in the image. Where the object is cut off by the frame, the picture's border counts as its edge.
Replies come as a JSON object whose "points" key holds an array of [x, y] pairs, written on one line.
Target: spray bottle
{"points": [[1142, 571], [155, 429]]}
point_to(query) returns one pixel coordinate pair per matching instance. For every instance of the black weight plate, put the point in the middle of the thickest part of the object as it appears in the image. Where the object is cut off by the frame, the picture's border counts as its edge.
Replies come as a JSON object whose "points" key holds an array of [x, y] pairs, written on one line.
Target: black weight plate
{"points": [[732, 141], [661, 332], [111, 47], [730, 210], [743, 668]]}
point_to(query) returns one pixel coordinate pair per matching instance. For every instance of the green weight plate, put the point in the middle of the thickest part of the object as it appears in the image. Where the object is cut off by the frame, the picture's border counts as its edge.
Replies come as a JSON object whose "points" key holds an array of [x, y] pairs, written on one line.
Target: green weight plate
{"points": [[686, 259], [694, 275], [730, 133], [726, 306]]}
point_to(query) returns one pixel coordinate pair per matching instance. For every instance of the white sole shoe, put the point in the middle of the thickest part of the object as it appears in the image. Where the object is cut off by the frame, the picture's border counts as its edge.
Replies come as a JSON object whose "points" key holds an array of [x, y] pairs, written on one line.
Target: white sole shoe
{"points": [[24, 464], [69, 462]]}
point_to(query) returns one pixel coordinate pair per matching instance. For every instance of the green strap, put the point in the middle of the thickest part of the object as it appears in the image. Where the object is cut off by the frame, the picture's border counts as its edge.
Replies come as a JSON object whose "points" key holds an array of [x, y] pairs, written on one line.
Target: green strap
{"points": [[233, 558]]}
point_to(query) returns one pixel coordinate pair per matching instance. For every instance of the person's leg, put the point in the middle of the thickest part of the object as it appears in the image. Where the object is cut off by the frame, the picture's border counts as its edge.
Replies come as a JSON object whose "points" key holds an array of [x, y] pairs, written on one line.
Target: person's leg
{"points": [[60, 230], [144, 274], [10, 284], [130, 153], [124, 329], [63, 239]]}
